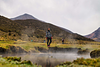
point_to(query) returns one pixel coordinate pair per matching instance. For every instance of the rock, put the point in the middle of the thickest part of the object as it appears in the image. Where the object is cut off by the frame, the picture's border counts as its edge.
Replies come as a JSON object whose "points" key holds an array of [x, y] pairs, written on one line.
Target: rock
{"points": [[41, 49], [2, 50], [16, 49], [95, 53], [83, 51], [33, 51], [63, 50]]}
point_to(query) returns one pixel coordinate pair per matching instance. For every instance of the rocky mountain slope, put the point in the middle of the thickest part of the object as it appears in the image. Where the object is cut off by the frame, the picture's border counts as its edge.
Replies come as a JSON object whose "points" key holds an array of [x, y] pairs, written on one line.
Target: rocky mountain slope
{"points": [[95, 35]]}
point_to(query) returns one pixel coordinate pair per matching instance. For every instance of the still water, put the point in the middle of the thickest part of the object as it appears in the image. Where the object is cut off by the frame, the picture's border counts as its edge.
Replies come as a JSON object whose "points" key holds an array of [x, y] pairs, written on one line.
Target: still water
{"points": [[51, 59]]}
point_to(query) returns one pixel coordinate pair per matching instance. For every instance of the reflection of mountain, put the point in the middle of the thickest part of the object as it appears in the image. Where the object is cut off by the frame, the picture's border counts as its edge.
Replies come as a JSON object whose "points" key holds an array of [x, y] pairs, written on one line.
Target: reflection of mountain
{"points": [[23, 17], [95, 35]]}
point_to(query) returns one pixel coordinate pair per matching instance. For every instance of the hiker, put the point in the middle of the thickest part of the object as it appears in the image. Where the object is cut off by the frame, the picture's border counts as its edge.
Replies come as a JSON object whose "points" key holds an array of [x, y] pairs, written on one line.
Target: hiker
{"points": [[48, 37], [62, 41], [44, 41]]}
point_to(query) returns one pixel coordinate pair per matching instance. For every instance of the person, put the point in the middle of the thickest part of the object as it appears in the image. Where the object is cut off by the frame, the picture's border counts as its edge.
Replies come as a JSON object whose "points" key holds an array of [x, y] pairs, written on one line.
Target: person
{"points": [[44, 41], [48, 37], [62, 41]]}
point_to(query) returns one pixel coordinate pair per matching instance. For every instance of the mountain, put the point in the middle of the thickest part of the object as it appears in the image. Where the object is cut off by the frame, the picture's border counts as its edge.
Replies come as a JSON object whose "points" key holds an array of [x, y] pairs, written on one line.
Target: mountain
{"points": [[27, 16], [95, 35], [32, 29], [40, 29], [24, 17]]}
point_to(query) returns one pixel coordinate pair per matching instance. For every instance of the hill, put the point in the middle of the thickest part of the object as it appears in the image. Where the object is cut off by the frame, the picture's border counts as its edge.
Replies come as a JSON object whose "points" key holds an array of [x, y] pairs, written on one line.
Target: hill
{"points": [[94, 35], [8, 25], [32, 29], [40, 29], [24, 17], [9, 29]]}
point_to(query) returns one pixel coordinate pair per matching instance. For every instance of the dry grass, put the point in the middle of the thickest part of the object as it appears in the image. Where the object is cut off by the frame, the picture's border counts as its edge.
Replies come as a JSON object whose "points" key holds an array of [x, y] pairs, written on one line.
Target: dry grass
{"points": [[4, 62], [30, 45]]}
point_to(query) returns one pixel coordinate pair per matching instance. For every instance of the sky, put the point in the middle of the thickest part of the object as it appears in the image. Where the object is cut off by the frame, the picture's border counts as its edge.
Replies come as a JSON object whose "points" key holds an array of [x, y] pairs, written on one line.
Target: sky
{"points": [[78, 16]]}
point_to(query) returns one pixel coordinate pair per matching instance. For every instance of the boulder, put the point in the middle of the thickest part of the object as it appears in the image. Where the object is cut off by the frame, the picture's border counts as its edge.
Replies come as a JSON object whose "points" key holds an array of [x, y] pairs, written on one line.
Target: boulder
{"points": [[95, 53]]}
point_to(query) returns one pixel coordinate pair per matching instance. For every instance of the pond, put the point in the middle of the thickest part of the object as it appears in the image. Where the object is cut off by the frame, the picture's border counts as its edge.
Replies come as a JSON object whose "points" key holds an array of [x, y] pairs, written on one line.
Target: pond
{"points": [[49, 59]]}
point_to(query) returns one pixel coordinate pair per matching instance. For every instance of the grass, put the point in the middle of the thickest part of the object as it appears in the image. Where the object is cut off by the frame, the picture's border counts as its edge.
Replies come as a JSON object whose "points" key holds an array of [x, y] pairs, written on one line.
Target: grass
{"points": [[81, 62], [15, 62], [31, 45], [5, 44], [27, 45]]}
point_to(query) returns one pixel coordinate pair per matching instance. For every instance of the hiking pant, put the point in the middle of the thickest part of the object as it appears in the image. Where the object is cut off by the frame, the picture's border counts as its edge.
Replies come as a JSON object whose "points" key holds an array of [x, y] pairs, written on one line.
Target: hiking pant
{"points": [[49, 40]]}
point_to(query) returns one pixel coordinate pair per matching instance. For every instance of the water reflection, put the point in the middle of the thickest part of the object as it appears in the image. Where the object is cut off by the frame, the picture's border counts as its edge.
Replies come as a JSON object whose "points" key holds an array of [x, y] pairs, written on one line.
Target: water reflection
{"points": [[49, 59]]}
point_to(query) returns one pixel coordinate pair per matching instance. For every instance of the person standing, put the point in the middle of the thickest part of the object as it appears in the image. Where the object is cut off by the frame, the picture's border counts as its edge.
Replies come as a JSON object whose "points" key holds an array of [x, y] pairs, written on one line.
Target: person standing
{"points": [[62, 41], [48, 37]]}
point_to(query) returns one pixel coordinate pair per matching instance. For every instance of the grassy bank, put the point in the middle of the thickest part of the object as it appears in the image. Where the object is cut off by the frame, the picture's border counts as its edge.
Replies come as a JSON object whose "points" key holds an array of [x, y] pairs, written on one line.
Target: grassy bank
{"points": [[31, 45], [81, 62], [27, 45], [15, 62]]}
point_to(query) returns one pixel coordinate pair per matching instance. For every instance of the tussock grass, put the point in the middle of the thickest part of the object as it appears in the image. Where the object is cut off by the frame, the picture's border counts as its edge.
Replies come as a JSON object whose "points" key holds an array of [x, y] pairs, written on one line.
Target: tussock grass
{"points": [[15, 62], [6, 44], [81, 62]]}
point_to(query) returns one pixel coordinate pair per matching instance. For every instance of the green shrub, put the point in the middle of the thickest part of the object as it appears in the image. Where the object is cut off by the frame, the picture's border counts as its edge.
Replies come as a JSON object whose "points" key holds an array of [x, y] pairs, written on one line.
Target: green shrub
{"points": [[13, 58]]}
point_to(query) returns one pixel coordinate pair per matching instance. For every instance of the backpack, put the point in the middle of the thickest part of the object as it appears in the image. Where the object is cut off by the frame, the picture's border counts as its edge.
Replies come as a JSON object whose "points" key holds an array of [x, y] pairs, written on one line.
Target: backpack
{"points": [[48, 34]]}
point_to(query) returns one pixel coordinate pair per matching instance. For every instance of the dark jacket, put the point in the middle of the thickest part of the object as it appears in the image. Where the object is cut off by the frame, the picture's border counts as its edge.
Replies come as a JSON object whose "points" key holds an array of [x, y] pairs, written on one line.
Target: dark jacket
{"points": [[48, 34]]}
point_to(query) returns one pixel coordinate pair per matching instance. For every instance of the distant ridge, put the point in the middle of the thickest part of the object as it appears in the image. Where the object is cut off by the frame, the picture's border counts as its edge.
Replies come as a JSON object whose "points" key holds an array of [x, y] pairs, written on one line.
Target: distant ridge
{"points": [[24, 17], [95, 35]]}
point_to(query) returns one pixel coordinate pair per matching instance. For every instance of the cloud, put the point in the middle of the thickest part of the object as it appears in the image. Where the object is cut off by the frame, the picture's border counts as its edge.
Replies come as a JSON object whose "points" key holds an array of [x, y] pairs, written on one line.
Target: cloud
{"points": [[79, 16]]}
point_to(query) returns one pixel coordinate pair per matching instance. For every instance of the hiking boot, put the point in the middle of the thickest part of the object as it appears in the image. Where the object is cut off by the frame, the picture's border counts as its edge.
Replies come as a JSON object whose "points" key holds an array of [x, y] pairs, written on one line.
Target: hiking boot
{"points": [[48, 45]]}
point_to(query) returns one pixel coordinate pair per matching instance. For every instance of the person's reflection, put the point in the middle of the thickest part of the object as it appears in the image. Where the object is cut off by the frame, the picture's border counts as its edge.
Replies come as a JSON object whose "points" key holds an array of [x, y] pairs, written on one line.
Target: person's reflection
{"points": [[48, 63]]}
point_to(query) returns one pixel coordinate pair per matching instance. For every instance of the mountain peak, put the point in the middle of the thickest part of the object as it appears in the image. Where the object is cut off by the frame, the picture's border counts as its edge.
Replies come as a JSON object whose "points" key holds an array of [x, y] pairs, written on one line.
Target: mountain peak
{"points": [[27, 14], [24, 17]]}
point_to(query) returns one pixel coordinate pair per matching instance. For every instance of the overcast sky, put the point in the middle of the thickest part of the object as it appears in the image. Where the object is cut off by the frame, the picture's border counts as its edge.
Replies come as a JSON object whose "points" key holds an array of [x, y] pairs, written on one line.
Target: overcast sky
{"points": [[78, 16]]}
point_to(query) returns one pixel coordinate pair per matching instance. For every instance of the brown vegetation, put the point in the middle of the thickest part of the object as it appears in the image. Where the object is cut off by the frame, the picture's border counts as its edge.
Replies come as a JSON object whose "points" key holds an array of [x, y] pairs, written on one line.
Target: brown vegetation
{"points": [[40, 29]]}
